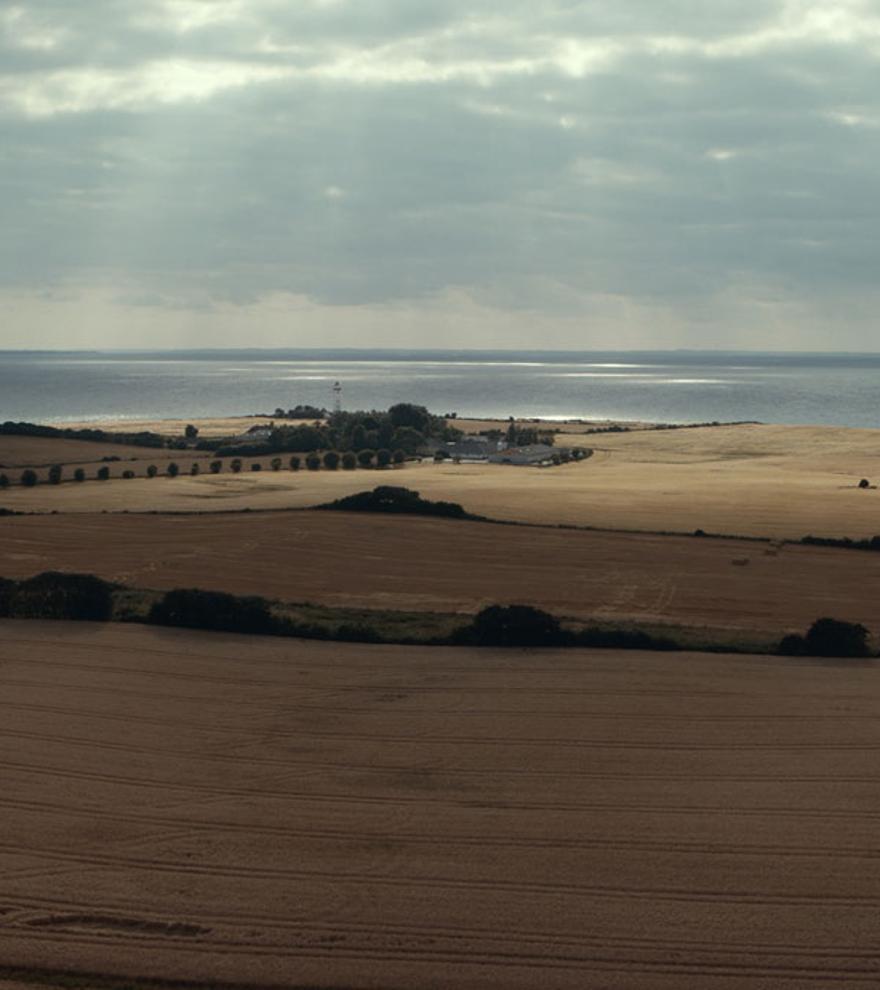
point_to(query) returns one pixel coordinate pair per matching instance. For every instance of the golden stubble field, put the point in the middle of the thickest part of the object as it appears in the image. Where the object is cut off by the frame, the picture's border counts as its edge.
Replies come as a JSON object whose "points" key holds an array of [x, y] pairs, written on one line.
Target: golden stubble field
{"points": [[777, 481], [192, 806], [410, 563]]}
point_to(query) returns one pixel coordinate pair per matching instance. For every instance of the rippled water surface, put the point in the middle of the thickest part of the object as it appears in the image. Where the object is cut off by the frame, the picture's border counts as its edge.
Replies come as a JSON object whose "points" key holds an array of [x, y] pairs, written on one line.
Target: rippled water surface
{"points": [[659, 387]]}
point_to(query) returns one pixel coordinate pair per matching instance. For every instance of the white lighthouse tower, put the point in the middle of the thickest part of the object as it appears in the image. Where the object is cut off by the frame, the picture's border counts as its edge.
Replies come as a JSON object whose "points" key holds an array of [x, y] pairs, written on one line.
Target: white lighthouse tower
{"points": [[337, 397]]}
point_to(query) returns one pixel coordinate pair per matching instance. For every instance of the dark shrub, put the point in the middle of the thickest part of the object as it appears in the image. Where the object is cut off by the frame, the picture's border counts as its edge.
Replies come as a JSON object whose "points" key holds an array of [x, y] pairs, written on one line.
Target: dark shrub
{"points": [[394, 499], [383, 457], [55, 595], [173, 469], [192, 608], [864, 483], [194, 468], [152, 471], [79, 475], [55, 474], [622, 639], [313, 462], [4, 481], [792, 646], [256, 466], [365, 458], [191, 432], [103, 473], [7, 590], [29, 478], [350, 632], [128, 474], [514, 625], [833, 638], [276, 463], [235, 465], [294, 463], [398, 457], [216, 467], [349, 460], [331, 460]]}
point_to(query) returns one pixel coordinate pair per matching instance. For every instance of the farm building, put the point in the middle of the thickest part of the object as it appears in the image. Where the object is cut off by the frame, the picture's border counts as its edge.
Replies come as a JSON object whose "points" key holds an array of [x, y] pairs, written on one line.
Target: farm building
{"points": [[255, 434], [475, 448], [534, 453]]}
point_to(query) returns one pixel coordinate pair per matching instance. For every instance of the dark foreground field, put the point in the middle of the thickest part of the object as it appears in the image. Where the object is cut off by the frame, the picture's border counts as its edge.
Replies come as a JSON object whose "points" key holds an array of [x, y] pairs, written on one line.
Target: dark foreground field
{"points": [[192, 806]]}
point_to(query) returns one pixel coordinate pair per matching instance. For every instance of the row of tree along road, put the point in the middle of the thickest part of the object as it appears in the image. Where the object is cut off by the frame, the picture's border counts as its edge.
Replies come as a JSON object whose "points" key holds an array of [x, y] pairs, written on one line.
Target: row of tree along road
{"points": [[330, 460]]}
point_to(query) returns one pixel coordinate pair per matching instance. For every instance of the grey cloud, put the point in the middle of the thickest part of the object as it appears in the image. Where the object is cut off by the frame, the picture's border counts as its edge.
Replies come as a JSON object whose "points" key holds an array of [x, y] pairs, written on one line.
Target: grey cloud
{"points": [[665, 175]]}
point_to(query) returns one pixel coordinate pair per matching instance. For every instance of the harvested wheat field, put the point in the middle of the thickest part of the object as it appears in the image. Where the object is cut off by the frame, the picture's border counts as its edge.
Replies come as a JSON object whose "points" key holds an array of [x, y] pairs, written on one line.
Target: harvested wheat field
{"points": [[216, 426], [191, 806], [776, 481], [41, 452], [441, 565]]}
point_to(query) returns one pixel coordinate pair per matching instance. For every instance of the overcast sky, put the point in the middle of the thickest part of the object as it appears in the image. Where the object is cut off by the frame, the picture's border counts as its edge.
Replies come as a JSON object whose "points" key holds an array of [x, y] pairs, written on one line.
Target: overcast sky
{"points": [[440, 173]]}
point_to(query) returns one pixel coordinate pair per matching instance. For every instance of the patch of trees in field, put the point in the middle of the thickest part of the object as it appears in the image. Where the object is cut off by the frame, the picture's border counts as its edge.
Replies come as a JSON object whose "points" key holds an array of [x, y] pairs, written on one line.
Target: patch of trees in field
{"points": [[402, 428], [392, 499], [59, 595]]}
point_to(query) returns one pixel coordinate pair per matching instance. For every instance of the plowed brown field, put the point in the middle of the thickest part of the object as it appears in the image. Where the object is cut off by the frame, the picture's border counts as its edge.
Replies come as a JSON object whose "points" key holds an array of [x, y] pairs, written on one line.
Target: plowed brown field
{"points": [[192, 806], [409, 563]]}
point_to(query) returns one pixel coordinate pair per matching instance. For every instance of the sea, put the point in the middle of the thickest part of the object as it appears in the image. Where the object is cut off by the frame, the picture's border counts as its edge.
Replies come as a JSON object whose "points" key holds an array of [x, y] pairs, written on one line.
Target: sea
{"points": [[652, 386]]}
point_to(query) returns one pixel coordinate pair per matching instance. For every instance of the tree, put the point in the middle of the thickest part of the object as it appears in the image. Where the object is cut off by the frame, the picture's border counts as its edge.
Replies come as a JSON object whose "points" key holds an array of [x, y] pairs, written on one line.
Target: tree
{"points": [[256, 466], [833, 638], [194, 469], [173, 469], [191, 432], [152, 471], [331, 460], [511, 433], [514, 625], [103, 473], [29, 478], [216, 467], [128, 474], [276, 463], [408, 439], [404, 414], [55, 474], [383, 457], [54, 595], [864, 483], [294, 463], [349, 460], [358, 437], [398, 457], [196, 609], [365, 458], [4, 481], [235, 465], [313, 462]]}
